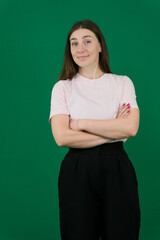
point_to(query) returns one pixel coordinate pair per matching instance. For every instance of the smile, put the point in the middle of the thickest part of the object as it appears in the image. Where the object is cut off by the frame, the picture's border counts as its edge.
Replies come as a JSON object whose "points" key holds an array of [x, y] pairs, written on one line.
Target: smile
{"points": [[82, 57]]}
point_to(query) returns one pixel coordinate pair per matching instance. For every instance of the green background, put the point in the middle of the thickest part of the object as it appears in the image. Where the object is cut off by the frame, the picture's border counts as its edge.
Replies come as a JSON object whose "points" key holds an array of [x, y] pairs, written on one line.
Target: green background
{"points": [[32, 41]]}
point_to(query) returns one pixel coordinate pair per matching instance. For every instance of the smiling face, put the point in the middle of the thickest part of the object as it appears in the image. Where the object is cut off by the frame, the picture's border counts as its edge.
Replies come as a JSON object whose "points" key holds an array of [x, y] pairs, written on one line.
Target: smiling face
{"points": [[85, 48]]}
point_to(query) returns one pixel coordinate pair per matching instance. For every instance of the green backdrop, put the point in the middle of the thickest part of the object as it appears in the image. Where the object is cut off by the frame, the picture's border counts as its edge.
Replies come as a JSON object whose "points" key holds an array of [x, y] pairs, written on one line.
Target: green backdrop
{"points": [[32, 42]]}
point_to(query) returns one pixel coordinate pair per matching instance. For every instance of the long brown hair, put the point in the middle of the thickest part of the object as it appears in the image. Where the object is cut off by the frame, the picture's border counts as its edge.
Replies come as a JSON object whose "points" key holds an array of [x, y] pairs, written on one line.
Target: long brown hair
{"points": [[70, 68]]}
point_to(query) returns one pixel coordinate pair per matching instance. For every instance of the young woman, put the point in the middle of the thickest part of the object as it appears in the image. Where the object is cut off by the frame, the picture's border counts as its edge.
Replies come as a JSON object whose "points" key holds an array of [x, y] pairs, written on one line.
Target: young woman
{"points": [[93, 112]]}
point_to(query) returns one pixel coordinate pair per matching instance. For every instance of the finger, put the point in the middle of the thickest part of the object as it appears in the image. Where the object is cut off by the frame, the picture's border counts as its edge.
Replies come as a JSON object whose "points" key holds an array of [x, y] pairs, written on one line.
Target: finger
{"points": [[126, 113], [120, 110], [125, 108], [123, 111]]}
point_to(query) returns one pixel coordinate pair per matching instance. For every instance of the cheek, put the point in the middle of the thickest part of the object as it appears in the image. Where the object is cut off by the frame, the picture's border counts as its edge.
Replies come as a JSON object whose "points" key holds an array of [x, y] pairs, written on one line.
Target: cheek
{"points": [[93, 50], [72, 50]]}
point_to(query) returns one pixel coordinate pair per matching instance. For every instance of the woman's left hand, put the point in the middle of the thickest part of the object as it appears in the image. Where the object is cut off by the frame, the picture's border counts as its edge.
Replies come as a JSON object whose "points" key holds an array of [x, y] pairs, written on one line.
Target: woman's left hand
{"points": [[73, 124]]}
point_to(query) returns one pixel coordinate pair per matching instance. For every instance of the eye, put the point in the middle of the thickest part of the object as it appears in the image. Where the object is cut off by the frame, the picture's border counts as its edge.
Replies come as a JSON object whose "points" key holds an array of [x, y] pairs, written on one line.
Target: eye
{"points": [[73, 43], [88, 41]]}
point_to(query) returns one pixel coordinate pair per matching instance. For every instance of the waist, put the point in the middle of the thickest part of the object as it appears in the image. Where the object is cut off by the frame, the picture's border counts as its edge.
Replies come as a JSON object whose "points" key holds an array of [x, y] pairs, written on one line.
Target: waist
{"points": [[108, 147]]}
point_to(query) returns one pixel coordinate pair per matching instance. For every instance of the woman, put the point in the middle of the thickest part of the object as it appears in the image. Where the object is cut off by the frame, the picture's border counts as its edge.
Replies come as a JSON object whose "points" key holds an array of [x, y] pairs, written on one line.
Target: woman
{"points": [[93, 112]]}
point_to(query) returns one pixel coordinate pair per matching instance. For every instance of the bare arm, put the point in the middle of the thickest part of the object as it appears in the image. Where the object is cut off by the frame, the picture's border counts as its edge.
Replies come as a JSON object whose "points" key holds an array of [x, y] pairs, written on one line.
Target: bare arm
{"points": [[66, 137], [114, 128]]}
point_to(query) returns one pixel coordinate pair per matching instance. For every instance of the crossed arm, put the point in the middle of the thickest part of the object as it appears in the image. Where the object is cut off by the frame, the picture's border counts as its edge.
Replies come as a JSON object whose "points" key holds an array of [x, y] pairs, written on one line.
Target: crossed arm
{"points": [[90, 132], [114, 128]]}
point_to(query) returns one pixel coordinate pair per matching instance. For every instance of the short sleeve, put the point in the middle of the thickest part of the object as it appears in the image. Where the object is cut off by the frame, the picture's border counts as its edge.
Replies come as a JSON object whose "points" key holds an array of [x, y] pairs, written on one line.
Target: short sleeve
{"points": [[128, 94], [58, 104]]}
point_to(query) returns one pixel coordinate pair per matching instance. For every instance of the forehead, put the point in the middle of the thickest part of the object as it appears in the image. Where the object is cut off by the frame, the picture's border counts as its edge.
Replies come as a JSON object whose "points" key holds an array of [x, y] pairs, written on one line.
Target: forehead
{"points": [[80, 33]]}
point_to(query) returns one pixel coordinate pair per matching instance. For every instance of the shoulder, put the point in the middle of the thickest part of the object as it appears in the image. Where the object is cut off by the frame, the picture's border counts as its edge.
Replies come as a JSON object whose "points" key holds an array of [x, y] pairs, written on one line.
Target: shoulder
{"points": [[122, 83], [58, 85], [116, 79], [61, 87], [122, 79], [119, 78]]}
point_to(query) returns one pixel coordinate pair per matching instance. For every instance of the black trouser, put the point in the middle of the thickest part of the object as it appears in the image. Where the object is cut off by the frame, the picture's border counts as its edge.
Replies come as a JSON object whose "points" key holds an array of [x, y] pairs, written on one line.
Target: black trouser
{"points": [[98, 194]]}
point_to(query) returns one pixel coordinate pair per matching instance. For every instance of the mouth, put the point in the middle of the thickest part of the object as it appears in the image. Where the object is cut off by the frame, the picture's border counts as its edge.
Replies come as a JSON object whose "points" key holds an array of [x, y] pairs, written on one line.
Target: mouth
{"points": [[82, 57]]}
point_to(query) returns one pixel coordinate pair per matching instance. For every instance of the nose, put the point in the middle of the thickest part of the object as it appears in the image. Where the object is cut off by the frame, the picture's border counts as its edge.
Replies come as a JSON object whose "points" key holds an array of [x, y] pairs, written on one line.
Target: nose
{"points": [[80, 48]]}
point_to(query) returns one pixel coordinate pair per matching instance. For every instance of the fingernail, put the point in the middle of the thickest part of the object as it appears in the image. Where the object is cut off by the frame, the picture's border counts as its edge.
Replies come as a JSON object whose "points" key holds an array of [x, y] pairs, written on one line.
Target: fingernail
{"points": [[124, 104], [128, 104], [128, 111]]}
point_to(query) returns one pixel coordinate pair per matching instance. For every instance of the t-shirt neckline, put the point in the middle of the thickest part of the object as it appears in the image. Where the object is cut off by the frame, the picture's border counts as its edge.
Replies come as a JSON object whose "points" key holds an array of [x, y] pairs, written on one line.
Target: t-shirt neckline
{"points": [[93, 79]]}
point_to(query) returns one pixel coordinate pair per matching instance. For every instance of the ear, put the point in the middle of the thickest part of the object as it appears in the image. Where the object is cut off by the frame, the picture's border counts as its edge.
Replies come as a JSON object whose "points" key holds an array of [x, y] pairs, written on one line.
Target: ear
{"points": [[100, 50]]}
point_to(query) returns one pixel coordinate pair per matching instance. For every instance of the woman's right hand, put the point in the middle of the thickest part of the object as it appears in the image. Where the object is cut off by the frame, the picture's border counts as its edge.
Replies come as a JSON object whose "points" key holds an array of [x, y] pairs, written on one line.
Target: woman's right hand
{"points": [[124, 111]]}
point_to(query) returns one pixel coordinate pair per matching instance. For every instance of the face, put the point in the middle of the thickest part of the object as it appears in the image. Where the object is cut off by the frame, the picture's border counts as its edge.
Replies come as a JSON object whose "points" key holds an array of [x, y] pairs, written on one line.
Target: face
{"points": [[85, 48]]}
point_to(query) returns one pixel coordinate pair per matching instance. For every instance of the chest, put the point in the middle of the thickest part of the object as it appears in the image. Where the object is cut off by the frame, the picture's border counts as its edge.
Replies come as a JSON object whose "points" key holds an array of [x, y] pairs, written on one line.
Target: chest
{"points": [[93, 102]]}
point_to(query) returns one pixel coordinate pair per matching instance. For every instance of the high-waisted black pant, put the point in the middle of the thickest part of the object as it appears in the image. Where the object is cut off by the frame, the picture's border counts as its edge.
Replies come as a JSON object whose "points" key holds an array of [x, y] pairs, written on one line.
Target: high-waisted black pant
{"points": [[98, 194]]}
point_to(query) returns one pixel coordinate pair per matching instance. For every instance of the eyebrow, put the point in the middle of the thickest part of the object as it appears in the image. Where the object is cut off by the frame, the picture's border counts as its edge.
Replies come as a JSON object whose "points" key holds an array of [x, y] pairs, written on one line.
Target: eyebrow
{"points": [[82, 37]]}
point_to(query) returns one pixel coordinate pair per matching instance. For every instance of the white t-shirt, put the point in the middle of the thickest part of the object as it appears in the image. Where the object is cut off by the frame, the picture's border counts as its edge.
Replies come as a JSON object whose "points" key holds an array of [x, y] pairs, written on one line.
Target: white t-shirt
{"points": [[100, 99]]}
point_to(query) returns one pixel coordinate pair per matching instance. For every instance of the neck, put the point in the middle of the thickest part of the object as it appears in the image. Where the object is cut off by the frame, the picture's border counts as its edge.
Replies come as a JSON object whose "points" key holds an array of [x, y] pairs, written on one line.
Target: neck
{"points": [[92, 74]]}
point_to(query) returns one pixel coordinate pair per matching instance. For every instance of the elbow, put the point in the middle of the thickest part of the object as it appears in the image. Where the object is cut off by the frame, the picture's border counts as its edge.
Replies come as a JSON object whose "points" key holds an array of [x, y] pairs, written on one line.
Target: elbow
{"points": [[62, 139], [59, 139], [132, 127], [60, 142], [133, 132]]}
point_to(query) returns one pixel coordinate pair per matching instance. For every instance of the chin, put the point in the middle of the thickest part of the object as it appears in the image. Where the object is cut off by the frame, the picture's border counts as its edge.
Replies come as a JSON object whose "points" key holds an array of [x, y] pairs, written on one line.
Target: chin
{"points": [[83, 64]]}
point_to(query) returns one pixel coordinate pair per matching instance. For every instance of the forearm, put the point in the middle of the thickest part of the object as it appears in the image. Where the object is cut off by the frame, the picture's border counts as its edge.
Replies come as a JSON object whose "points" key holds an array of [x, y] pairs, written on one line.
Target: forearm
{"points": [[81, 139], [114, 128]]}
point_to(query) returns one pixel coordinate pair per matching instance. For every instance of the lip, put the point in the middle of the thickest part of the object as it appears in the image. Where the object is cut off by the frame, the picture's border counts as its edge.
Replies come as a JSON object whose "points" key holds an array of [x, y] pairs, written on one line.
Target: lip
{"points": [[81, 57]]}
